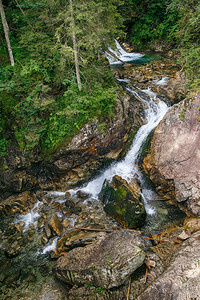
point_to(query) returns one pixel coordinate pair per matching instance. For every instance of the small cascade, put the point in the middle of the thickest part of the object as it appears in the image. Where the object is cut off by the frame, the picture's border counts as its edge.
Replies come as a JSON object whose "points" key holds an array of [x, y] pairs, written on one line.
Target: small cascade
{"points": [[163, 81], [121, 54], [31, 217]]}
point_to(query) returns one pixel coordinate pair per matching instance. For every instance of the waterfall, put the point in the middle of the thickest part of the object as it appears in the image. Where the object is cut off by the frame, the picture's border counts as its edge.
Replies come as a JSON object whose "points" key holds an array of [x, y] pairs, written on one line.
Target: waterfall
{"points": [[121, 54], [154, 113]]}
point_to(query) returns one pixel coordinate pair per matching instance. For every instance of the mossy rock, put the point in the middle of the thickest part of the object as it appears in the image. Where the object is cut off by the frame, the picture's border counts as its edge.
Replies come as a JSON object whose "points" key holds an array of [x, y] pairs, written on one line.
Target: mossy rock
{"points": [[121, 204]]}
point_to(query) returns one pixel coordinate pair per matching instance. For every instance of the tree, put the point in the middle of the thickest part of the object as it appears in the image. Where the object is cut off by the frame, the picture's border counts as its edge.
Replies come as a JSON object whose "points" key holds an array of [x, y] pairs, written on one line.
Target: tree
{"points": [[74, 46], [6, 32]]}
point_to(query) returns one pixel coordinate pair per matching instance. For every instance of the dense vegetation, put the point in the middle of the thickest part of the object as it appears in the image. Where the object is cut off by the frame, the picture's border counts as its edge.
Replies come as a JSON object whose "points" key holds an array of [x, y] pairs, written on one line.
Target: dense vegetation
{"points": [[174, 23], [41, 105]]}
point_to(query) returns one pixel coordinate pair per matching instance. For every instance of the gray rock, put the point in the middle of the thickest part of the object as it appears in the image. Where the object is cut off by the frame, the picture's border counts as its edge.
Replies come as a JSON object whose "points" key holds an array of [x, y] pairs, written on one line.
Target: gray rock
{"points": [[107, 263], [173, 163], [181, 280]]}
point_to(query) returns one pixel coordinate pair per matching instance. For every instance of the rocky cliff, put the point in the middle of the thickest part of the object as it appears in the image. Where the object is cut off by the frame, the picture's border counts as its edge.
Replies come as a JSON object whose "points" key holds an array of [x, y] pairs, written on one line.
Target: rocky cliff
{"points": [[173, 162]]}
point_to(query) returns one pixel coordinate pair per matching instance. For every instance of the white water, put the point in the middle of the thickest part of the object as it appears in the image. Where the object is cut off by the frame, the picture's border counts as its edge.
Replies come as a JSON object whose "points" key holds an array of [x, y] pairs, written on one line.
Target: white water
{"points": [[163, 81], [50, 246], [126, 168], [122, 55], [31, 217]]}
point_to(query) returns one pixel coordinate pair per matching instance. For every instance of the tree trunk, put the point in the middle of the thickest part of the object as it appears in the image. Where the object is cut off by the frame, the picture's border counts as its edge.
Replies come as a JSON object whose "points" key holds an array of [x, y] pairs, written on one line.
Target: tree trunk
{"points": [[6, 31], [74, 47]]}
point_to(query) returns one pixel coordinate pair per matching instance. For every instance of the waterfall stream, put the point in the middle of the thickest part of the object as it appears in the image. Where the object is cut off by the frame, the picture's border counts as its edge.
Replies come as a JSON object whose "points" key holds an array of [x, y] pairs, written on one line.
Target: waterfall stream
{"points": [[32, 261], [126, 168]]}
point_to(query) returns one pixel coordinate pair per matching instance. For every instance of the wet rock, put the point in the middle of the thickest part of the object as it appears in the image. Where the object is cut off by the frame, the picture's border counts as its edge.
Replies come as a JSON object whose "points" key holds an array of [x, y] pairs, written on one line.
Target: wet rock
{"points": [[44, 239], [47, 230], [56, 225], [66, 223], [76, 238], [13, 250], [121, 202], [191, 225], [173, 163], [107, 263], [69, 203], [82, 195], [181, 279], [76, 210], [22, 203], [67, 195]]}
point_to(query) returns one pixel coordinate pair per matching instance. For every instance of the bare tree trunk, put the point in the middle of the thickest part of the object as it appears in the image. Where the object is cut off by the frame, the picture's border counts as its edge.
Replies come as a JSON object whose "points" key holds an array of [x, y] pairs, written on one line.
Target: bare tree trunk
{"points": [[6, 31], [74, 47]]}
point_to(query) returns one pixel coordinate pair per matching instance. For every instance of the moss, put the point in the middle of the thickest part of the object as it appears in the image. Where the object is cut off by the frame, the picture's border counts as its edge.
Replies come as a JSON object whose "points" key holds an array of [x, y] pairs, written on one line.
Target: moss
{"points": [[122, 206], [146, 147], [182, 115]]}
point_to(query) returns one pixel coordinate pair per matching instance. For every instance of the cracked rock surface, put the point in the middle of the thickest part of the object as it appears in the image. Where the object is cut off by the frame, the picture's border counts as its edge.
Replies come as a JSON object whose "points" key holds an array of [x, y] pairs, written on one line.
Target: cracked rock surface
{"points": [[174, 159]]}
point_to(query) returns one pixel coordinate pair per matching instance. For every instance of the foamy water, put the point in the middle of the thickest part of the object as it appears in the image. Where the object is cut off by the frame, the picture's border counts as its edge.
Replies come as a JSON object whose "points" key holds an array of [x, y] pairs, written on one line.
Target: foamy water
{"points": [[121, 54]]}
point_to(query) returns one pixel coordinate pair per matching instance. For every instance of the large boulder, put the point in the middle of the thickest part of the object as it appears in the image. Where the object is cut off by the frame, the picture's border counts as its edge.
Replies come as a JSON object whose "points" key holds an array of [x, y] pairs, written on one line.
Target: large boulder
{"points": [[181, 280], [121, 200], [173, 163], [22, 204], [106, 263]]}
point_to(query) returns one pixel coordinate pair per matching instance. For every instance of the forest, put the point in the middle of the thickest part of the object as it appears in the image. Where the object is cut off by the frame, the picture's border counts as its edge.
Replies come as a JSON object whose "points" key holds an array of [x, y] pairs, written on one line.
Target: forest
{"points": [[58, 78]]}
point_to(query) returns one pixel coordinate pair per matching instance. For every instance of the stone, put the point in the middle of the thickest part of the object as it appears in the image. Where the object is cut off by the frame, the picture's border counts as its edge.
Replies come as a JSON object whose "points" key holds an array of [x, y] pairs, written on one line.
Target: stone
{"points": [[21, 203], [66, 223], [181, 280], [152, 263], [13, 250], [183, 236], [82, 195], [107, 263], [47, 230], [191, 225], [173, 163], [121, 202], [44, 239], [56, 225], [76, 238]]}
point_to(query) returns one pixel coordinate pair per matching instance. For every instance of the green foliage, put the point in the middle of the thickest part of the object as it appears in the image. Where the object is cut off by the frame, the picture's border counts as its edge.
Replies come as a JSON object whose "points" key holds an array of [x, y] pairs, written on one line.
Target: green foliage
{"points": [[174, 21], [182, 115], [3, 146], [77, 108], [148, 22], [40, 102]]}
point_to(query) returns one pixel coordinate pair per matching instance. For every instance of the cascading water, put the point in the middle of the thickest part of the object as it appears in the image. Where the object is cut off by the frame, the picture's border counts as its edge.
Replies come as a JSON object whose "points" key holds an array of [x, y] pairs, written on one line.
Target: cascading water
{"points": [[121, 54], [126, 168], [31, 265]]}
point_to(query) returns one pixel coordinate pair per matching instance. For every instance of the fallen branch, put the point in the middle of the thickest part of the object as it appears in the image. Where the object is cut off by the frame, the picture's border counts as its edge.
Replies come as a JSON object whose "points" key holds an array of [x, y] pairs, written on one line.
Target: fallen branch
{"points": [[150, 235], [93, 229], [147, 263], [129, 286], [146, 238], [145, 279]]}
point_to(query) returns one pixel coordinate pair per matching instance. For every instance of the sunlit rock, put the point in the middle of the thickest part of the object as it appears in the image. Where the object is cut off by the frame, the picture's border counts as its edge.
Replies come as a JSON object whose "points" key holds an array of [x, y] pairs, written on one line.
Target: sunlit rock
{"points": [[106, 263]]}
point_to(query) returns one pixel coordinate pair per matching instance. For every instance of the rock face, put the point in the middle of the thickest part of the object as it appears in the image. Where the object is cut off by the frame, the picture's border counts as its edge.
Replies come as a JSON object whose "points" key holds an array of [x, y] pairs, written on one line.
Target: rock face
{"points": [[107, 263], [121, 202], [95, 144], [181, 280], [173, 163]]}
